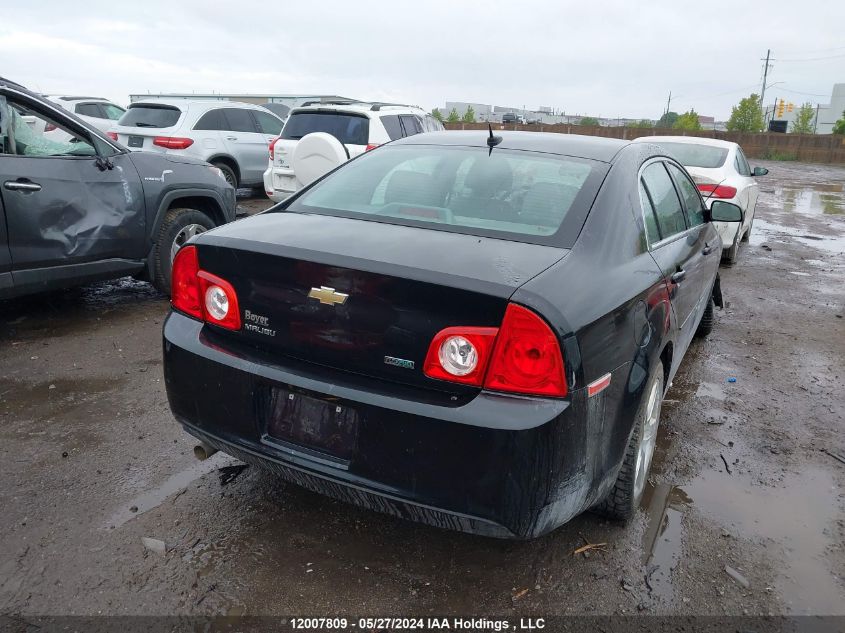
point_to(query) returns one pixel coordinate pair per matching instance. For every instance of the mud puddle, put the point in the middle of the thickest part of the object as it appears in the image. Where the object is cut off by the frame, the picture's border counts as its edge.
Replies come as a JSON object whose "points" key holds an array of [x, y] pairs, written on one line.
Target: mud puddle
{"points": [[811, 198], [769, 233], [791, 513], [172, 485]]}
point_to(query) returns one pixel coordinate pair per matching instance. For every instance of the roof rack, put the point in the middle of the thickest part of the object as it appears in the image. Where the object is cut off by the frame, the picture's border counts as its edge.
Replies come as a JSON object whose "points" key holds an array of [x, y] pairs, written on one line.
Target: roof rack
{"points": [[66, 98], [331, 102], [378, 105]]}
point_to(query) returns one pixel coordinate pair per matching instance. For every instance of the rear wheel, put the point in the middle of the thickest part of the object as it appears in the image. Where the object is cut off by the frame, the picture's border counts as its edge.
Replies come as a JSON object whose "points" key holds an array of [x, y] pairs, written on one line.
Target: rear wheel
{"points": [[623, 499], [705, 326], [228, 174], [729, 256], [747, 235], [179, 226]]}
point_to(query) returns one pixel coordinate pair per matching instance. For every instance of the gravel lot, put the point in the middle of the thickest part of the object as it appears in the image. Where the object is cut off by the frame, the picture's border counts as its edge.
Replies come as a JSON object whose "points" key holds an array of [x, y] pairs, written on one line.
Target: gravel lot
{"points": [[91, 461]]}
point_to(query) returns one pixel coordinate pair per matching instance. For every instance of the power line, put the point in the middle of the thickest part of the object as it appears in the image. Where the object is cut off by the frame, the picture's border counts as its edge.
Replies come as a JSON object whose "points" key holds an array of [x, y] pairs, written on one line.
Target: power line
{"points": [[811, 59], [822, 50], [808, 94]]}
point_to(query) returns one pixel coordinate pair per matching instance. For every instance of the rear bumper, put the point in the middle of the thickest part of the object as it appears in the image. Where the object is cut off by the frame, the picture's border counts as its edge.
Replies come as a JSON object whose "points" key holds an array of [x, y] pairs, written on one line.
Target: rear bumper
{"points": [[508, 467], [279, 186]]}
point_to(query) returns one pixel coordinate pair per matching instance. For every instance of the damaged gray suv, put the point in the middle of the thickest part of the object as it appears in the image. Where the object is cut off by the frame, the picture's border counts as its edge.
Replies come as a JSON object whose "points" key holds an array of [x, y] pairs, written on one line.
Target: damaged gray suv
{"points": [[87, 209]]}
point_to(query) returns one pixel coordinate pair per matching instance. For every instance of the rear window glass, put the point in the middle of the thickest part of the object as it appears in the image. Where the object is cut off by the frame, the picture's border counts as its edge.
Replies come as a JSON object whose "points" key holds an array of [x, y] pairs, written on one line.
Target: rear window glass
{"points": [[520, 195], [150, 116], [349, 129], [693, 155]]}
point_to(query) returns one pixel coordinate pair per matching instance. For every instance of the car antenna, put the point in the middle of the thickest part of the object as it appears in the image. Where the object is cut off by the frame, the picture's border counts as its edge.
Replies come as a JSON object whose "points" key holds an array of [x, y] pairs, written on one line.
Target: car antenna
{"points": [[492, 141], [710, 195]]}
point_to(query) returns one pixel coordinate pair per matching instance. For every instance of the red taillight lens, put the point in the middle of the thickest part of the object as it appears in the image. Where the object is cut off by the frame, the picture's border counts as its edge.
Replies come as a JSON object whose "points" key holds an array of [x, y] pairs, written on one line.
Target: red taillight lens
{"points": [[200, 294], [173, 142], [185, 294], [112, 135], [49, 127], [717, 191], [527, 357], [522, 356], [460, 354], [220, 302], [273, 148], [371, 146]]}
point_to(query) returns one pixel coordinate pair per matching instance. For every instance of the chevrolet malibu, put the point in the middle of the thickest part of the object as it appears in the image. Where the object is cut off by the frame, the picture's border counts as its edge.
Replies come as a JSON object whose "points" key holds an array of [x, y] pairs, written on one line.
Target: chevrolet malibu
{"points": [[467, 330]]}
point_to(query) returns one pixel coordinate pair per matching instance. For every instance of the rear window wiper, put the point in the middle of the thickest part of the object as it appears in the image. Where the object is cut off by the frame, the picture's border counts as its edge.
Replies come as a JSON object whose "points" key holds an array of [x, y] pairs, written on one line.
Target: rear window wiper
{"points": [[143, 124]]}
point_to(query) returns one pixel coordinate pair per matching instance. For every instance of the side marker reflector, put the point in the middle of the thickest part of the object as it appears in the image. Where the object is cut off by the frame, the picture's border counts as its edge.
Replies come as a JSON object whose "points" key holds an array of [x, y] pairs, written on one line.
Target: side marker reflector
{"points": [[597, 386]]}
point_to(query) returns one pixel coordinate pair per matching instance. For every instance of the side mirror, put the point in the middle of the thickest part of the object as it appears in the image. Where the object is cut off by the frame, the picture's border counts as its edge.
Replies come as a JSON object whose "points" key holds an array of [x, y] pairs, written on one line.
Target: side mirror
{"points": [[759, 171], [721, 211]]}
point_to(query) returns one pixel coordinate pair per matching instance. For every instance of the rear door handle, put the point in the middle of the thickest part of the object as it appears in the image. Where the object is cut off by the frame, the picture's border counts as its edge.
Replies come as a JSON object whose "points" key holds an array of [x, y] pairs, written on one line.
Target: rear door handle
{"points": [[678, 276], [231, 138], [21, 185]]}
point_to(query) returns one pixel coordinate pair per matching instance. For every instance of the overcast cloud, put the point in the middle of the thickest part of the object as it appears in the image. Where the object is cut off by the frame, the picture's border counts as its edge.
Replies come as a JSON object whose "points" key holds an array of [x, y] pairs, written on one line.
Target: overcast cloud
{"points": [[609, 58]]}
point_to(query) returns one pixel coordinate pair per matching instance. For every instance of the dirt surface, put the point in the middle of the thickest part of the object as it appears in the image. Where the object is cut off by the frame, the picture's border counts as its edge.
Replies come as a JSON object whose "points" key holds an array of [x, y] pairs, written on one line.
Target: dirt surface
{"points": [[91, 461]]}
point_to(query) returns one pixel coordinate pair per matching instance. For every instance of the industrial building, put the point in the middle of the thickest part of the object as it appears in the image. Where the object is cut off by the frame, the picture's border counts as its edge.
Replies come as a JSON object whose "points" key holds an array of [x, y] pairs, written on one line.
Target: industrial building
{"points": [[826, 114]]}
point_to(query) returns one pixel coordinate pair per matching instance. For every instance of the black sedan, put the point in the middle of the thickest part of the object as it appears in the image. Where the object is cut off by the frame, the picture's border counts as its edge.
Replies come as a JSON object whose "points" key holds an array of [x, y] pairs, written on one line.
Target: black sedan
{"points": [[468, 330]]}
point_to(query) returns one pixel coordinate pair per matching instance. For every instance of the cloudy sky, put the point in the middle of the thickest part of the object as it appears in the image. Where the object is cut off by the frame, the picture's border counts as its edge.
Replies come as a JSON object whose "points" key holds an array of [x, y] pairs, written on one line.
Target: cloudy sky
{"points": [[610, 58]]}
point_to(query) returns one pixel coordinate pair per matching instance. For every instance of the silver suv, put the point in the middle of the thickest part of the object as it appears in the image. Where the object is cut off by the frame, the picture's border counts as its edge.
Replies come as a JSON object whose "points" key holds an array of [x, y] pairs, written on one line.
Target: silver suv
{"points": [[230, 135]]}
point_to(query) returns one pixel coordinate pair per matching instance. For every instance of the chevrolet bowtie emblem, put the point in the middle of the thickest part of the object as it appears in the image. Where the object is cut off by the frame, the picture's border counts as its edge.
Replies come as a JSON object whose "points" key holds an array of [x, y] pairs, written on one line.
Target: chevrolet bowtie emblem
{"points": [[327, 296]]}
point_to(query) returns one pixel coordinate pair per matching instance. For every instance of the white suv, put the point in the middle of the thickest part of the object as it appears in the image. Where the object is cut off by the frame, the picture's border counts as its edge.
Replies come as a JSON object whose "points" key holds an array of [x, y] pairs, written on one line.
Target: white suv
{"points": [[230, 135], [318, 137], [100, 113]]}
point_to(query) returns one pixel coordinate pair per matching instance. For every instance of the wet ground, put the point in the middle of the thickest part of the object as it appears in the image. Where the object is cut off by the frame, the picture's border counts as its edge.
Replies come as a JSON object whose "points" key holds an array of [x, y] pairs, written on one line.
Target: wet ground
{"points": [[749, 475]]}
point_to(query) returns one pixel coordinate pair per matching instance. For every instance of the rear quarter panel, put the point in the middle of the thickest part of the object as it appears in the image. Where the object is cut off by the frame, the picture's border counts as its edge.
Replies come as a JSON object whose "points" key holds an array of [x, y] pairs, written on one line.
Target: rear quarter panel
{"points": [[609, 303]]}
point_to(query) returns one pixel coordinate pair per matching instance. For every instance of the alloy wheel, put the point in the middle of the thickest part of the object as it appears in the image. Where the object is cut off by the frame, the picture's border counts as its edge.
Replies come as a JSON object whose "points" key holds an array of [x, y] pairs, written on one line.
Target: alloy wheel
{"points": [[185, 234], [648, 439]]}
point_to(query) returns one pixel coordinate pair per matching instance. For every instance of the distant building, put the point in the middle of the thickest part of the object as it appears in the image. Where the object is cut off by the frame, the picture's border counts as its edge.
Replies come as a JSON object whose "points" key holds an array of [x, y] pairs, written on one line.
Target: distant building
{"points": [[483, 112], [827, 113]]}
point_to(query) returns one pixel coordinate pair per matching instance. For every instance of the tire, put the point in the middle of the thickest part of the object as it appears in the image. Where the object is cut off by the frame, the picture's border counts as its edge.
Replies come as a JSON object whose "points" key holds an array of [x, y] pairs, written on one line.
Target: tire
{"points": [[623, 499], [228, 173], [730, 255], [178, 227], [705, 326], [747, 235]]}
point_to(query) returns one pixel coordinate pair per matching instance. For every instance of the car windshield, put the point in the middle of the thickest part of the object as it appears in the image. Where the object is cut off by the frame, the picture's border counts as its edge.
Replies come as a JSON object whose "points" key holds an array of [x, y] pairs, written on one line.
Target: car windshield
{"points": [[518, 195], [150, 115], [349, 129], [695, 155]]}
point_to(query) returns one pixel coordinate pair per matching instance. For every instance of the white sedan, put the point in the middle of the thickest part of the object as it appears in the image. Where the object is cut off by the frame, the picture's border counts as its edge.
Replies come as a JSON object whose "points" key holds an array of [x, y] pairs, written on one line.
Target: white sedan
{"points": [[721, 171]]}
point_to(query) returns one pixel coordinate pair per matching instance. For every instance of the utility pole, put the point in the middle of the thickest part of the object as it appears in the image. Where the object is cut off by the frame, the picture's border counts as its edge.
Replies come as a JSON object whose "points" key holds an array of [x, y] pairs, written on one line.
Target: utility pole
{"points": [[765, 76], [816, 122], [668, 102]]}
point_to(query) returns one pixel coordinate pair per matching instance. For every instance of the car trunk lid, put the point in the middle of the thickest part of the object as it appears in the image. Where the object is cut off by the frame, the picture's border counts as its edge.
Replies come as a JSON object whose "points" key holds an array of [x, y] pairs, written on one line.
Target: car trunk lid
{"points": [[362, 296]]}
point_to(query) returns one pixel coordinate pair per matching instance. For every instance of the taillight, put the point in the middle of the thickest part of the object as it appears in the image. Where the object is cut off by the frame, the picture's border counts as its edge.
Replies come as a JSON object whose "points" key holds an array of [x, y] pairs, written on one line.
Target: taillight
{"points": [[522, 356], [717, 191], [112, 135], [173, 142], [220, 302], [371, 146], [200, 294], [49, 127], [184, 282], [527, 357], [460, 354], [273, 148]]}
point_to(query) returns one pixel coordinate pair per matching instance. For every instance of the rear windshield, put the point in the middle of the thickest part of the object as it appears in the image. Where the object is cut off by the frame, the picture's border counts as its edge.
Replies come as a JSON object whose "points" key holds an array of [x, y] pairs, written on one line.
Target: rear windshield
{"points": [[149, 115], [693, 155], [526, 196], [349, 129]]}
